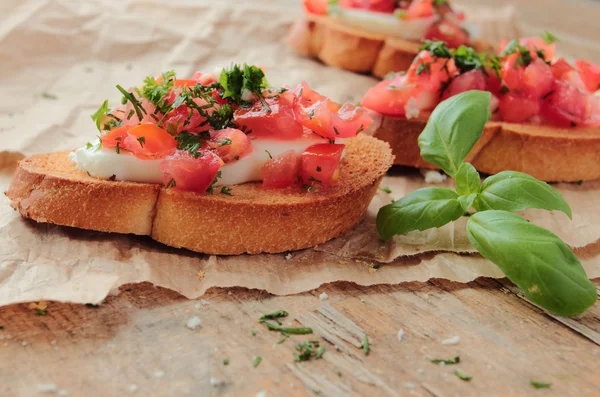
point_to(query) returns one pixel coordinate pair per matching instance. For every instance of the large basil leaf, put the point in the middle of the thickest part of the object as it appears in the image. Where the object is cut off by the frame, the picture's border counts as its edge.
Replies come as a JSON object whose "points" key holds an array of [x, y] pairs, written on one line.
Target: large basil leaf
{"points": [[535, 259], [467, 180], [419, 210], [516, 191], [453, 129]]}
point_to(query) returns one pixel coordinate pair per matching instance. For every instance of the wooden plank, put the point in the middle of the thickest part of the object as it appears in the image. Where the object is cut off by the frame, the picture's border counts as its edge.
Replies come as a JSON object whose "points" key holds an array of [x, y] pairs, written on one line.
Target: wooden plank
{"points": [[140, 338]]}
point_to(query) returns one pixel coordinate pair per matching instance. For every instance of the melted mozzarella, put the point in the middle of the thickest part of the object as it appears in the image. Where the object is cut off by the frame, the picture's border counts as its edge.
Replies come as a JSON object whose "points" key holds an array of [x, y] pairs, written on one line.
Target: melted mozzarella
{"points": [[384, 24], [104, 163]]}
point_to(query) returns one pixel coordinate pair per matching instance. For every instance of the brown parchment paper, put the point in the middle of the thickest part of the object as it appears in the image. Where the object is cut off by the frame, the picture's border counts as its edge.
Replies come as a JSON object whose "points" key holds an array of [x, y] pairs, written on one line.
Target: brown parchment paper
{"points": [[60, 59]]}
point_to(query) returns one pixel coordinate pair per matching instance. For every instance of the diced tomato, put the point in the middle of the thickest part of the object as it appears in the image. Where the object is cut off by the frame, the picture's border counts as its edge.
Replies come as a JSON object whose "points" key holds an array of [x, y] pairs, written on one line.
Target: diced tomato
{"points": [[559, 67], [390, 99], [573, 78], [231, 144], [320, 164], [184, 83], [512, 73], [204, 78], [327, 118], [116, 136], [386, 6], [419, 9], [492, 82], [518, 109], [281, 171], [279, 123], [316, 6], [428, 71], [590, 75], [569, 106], [450, 32], [189, 173], [471, 80], [179, 120], [537, 79], [148, 141]]}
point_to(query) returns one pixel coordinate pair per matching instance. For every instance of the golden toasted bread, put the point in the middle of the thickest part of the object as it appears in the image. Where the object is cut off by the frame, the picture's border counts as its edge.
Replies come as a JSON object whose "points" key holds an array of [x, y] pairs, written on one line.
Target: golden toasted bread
{"points": [[356, 50], [48, 188], [548, 153]]}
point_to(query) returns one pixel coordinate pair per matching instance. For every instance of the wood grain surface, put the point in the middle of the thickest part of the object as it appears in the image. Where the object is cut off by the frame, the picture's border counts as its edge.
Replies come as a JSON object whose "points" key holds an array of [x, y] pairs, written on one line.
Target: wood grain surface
{"points": [[138, 343]]}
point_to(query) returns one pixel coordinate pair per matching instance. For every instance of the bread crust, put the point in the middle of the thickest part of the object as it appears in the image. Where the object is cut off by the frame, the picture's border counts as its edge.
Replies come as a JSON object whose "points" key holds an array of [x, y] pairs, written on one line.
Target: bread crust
{"points": [[335, 44], [548, 153], [48, 188]]}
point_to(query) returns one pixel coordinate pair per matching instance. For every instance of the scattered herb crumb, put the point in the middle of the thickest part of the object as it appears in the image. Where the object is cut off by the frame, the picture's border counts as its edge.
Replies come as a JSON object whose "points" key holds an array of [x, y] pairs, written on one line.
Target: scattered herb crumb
{"points": [[274, 316], [456, 360], [225, 361], [580, 182], [253, 333], [41, 312], [462, 375], [257, 360], [366, 347], [292, 330], [386, 189], [47, 95], [306, 351], [1, 327], [339, 374], [91, 305], [539, 385]]}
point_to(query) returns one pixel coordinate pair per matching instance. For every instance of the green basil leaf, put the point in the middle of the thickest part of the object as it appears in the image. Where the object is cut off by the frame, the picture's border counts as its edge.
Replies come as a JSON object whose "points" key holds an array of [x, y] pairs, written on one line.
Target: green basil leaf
{"points": [[516, 191], [466, 202], [535, 259], [453, 129], [419, 210], [467, 180]]}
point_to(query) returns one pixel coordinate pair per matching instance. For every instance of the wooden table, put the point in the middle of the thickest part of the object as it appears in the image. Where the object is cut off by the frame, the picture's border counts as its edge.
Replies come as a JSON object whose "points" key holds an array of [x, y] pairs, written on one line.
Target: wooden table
{"points": [[138, 343]]}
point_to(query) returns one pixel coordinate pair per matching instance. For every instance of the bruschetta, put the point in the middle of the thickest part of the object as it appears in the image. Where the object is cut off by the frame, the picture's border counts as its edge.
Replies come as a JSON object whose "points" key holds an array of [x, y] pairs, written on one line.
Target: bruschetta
{"points": [[376, 36], [215, 164], [545, 114]]}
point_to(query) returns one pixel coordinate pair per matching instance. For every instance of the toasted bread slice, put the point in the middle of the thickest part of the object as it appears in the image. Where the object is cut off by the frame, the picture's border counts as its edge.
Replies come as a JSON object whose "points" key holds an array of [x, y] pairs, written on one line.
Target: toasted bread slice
{"points": [[48, 188], [548, 153], [356, 50]]}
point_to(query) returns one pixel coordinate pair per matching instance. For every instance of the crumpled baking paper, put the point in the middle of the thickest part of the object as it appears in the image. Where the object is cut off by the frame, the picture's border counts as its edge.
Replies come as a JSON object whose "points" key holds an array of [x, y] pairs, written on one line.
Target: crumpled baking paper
{"points": [[61, 59]]}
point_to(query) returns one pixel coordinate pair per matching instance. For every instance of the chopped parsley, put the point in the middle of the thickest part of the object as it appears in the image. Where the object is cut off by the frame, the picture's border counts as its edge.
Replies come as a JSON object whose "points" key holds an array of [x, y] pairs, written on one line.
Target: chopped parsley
{"points": [[313, 179], [365, 345], [423, 68], [539, 385], [142, 141], [318, 168], [360, 129], [47, 95], [226, 190], [456, 360], [269, 154], [549, 38], [274, 316], [238, 79], [171, 183], [225, 361], [308, 350], [336, 131], [386, 189], [99, 114], [41, 312], [223, 142], [191, 143], [211, 188], [289, 330], [137, 105], [256, 361], [462, 375]]}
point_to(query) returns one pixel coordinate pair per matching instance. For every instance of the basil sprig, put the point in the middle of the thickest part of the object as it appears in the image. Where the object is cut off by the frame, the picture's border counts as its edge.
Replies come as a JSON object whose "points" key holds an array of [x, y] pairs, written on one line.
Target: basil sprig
{"points": [[535, 259]]}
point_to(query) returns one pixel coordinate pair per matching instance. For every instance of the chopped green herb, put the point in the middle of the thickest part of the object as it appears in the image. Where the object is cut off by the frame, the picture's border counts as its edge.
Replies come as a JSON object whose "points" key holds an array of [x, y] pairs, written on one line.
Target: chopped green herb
{"points": [[311, 114], [423, 68], [336, 131], [223, 142], [117, 148], [291, 331], [456, 360], [580, 182], [439, 3], [365, 346], [307, 351], [320, 352], [88, 146], [462, 375], [360, 129], [137, 105], [318, 168], [274, 316], [41, 312], [253, 333], [283, 338], [539, 385], [269, 154], [313, 179], [171, 183], [256, 361], [47, 95], [1, 327], [141, 140], [225, 361], [211, 188], [376, 266], [238, 79], [226, 190], [99, 114], [91, 305], [386, 189], [549, 38]]}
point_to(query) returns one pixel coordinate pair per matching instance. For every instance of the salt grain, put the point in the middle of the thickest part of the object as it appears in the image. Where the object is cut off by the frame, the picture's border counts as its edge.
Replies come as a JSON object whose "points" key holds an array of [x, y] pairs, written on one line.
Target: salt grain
{"points": [[451, 341], [193, 322], [288, 257], [47, 388], [133, 388], [158, 374], [400, 335], [323, 296]]}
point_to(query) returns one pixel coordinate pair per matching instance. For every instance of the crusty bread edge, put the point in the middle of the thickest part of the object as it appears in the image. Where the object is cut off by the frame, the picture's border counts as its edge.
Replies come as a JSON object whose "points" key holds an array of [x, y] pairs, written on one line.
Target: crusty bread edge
{"points": [[355, 50], [551, 155], [201, 223]]}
